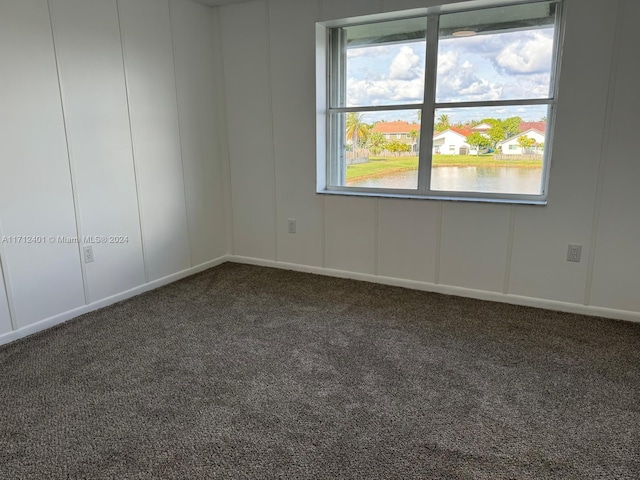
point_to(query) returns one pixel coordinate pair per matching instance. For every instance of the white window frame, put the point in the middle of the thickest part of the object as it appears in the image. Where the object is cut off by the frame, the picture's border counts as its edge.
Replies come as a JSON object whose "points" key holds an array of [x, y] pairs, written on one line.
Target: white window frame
{"points": [[325, 152]]}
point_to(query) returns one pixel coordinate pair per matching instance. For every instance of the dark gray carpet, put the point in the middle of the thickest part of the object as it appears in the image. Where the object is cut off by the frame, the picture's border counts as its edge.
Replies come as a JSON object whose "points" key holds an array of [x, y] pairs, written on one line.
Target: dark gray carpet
{"points": [[249, 372]]}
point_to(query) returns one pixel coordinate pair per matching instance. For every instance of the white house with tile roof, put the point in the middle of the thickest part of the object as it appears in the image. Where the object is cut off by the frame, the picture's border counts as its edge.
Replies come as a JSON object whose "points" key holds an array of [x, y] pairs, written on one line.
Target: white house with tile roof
{"points": [[511, 146], [453, 141]]}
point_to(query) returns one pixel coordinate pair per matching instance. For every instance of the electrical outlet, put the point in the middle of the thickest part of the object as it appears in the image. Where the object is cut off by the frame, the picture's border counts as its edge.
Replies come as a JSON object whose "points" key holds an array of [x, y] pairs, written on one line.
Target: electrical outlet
{"points": [[574, 253], [292, 225], [88, 254]]}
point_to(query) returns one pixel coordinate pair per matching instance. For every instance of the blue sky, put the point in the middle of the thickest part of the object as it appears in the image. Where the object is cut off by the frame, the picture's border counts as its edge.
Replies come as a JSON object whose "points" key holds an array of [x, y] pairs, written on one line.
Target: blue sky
{"points": [[504, 66]]}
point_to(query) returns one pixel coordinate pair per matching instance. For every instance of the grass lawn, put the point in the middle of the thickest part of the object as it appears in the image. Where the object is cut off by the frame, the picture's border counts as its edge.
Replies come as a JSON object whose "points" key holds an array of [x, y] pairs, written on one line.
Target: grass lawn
{"points": [[379, 166]]}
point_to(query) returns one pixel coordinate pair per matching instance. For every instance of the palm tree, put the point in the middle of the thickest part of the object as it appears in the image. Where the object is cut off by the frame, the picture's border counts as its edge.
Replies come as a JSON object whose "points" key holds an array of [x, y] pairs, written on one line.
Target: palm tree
{"points": [[414, 135], [357, 130], [443, 122]]}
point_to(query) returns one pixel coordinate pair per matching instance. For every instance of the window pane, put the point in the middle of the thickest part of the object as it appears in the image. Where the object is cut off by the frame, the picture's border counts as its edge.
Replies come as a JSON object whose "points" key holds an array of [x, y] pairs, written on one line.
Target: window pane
{"points": [[384, 63], [377, 149], [501, 53], [489, 149]]}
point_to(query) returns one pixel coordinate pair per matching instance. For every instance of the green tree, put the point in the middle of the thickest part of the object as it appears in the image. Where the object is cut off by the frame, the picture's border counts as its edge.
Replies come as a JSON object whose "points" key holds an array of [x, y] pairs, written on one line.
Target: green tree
{"points": [[497, 133], [511, 126], [526, 143], [443, 122], [356, 130], [490, 121], [376, 143], [397, 147], [478, 141], [414, 135]]}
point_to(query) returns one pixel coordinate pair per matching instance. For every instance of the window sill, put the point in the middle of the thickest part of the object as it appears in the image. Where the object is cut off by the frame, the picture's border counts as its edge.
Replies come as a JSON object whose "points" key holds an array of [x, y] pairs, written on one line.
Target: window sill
{"points": [[439, 198]]}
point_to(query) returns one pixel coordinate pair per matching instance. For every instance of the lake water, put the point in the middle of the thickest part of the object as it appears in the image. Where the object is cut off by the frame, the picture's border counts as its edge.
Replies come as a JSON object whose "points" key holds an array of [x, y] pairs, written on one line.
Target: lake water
{"points": [[464, 179]]}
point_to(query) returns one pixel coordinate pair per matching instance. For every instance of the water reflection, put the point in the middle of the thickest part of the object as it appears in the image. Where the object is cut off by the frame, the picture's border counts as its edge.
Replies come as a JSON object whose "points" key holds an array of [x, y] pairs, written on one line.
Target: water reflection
{"points": [[465, 179]]}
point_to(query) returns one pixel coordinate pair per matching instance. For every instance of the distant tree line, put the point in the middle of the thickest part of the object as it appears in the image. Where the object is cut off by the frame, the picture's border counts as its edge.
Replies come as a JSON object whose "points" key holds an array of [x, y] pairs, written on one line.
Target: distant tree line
{"points": [[361, 134]]}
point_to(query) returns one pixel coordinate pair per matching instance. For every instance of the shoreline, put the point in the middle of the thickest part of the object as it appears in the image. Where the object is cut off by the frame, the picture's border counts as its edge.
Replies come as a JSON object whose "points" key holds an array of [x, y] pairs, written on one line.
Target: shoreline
{"points": [[457, 165]]}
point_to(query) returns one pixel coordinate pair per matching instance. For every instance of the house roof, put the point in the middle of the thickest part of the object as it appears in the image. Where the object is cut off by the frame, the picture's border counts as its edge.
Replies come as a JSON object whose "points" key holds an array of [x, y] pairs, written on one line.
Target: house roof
{"points": [[395, 127], [465, 132], [541, 127], [541, 133], [462, 131]]}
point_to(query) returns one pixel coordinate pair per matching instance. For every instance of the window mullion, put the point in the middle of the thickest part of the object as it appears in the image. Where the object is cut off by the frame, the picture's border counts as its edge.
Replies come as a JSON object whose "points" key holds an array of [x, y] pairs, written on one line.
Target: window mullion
{"points": [[337, 81], [428, 107]]}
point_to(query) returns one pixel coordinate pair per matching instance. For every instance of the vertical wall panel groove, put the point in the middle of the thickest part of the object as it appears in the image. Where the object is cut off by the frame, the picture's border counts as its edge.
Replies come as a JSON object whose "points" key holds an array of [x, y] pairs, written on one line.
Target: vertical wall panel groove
{"points": [[606, 136], [152, 103], [267, 4], [7, 323], [133, 152], [92, 80], [512, 230], [35, 186], [74, 193]]}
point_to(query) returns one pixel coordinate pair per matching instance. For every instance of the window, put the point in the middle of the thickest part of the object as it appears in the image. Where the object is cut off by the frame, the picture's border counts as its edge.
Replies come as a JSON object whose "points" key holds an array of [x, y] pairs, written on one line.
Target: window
{"points": [[467, 78]]}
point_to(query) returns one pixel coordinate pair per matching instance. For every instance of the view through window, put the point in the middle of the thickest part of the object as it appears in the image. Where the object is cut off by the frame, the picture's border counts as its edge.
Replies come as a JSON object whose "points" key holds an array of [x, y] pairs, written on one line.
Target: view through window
{"points": [[480, 85]]}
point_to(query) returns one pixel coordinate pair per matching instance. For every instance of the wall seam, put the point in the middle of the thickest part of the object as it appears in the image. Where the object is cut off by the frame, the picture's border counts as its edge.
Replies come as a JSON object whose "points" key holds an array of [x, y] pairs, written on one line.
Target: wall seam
{"points": [[272, 128], [133, 142], [71, 164], [436, 276], [512, 234], [376, 239], [8, 292], [222, 133], [323, 207], [175, 81], [604, 150]]}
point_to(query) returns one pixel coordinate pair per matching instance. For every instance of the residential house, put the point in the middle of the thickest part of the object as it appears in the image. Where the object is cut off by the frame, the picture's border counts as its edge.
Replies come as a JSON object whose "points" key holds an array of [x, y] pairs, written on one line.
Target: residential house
{"points": [[540, 126], [513, 146], [452, 141], [400, 131]]}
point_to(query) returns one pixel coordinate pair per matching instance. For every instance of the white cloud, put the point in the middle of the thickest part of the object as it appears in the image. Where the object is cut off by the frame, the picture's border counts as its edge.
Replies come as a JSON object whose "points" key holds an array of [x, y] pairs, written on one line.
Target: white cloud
{"points": [[528, 86], [531, 54], [395, 78], [406, 65], [384, 91], [457, 80]]}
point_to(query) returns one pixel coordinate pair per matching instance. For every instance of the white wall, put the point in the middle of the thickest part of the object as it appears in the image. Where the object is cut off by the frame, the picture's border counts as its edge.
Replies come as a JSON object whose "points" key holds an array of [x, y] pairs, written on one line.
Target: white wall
{"points": [[616, 269], [197, 78], [108, 126], [36, 197], [512, 253], [116, 118], [153, 108]]}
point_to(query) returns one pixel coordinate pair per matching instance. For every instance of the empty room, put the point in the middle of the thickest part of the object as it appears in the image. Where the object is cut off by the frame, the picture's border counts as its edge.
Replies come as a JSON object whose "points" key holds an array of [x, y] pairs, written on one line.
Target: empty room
{"points": [[319, 239]]}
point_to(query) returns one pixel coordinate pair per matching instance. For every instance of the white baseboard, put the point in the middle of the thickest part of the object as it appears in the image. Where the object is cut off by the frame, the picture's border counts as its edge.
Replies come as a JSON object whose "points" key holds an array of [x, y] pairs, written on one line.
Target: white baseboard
{"points": [[450, 290], [68, 315], [397, 282]]}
